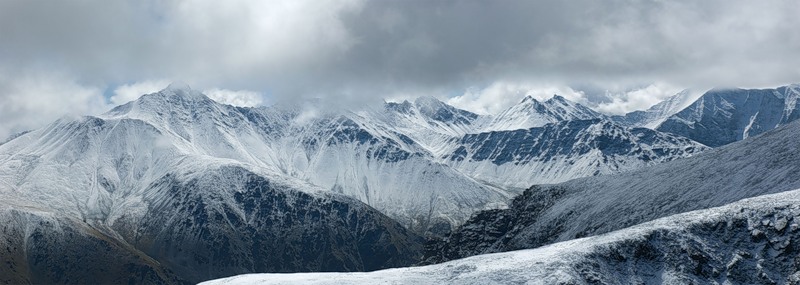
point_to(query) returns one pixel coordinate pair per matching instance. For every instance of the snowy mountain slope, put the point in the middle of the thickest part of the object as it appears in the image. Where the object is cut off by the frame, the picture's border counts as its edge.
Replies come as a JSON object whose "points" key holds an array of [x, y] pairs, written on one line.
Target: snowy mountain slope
{"points": [[746, 242], [387, 170], [427, 121], [202, 224], [562, 151], [588, 206], [530, 113], [345, 152], [155, 193], [658, 113], [723, 116], [251, 224]]}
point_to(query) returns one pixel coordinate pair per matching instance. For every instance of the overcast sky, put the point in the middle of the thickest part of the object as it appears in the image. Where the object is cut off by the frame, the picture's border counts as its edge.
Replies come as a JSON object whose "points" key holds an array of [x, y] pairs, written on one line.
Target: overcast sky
{"points": [[80, 57]]}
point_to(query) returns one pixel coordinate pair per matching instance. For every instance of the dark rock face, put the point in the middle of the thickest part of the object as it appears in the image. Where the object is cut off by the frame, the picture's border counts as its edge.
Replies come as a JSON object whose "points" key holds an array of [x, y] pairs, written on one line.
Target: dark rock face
{"points": [[570, 139], [755, 246], [721, 116], [344, 131], [233, 222], [490, 231], [40, 249]]}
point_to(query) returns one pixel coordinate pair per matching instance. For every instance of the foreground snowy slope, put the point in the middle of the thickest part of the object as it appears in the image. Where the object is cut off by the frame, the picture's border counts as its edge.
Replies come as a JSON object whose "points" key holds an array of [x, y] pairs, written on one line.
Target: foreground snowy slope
{"points": [[588, 206], [747, 242]]}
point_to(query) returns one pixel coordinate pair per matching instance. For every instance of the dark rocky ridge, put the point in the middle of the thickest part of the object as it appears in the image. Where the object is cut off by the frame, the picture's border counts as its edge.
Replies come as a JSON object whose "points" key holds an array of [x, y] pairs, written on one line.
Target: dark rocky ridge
{"points": [[572, 138]]}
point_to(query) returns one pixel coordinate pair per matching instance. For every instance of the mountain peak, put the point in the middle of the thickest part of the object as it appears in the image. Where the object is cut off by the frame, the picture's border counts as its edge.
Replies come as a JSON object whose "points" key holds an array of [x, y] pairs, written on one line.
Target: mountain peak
{"points": [[557, 97], [528, 100], [174, 96], [530, 113], [429, 102], [178, 85], [440, 111], [182, 90]]}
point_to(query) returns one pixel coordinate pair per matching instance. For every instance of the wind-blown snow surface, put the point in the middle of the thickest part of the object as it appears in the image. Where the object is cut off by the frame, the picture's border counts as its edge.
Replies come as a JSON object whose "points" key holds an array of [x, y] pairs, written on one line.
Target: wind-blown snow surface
{"points": [[582, 207], [752, 241], [723, 116], [658, 113]]}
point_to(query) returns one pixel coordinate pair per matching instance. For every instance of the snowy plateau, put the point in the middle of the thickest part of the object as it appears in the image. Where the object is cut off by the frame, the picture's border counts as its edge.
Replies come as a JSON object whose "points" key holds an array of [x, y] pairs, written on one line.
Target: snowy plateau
{"points": [[177, 188]]}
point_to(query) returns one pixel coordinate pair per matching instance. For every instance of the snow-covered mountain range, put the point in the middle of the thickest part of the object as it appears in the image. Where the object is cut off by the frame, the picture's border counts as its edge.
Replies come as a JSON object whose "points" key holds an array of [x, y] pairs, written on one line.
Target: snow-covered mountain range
{"points": [[176, 187], [557, 152], [426, 164]]}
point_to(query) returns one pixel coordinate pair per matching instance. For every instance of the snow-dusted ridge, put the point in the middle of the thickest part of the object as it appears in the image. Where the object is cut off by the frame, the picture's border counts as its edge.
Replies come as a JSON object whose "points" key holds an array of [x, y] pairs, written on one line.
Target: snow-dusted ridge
{"points": [[530, 113], [723, 116], [658, 113], [746, 242], [557, 152]]}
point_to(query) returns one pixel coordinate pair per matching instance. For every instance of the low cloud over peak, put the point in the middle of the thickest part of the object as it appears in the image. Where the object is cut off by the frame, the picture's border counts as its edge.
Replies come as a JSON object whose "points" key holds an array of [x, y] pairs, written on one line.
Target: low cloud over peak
{"points": [[358, 51]]}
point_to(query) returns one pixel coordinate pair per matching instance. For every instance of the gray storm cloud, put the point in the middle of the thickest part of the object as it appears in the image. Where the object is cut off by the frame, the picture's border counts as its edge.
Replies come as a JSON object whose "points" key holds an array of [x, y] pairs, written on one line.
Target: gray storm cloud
{"points": [[356, 51]]}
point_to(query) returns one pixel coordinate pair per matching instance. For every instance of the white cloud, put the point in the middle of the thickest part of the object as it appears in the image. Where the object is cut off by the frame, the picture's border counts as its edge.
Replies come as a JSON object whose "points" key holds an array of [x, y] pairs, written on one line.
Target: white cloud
{"points": [[502, 95], [129, 92], [638, 99], [33, 99], [240, 98], [348, 52]]}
